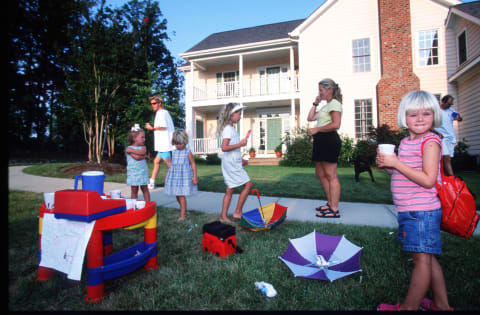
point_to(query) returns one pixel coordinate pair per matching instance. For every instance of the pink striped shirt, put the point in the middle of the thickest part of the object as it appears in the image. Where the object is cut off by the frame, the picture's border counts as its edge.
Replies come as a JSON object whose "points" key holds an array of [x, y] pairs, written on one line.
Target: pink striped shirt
{"points": [[407, 195]]}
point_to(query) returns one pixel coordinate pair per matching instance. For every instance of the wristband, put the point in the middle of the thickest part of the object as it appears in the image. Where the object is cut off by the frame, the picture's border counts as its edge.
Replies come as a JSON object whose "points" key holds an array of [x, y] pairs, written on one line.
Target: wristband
{"points": [[315, 104]]}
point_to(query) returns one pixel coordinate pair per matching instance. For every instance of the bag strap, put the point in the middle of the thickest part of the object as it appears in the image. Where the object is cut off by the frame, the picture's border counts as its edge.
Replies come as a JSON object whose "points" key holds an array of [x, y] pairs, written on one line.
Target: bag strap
{"points": [[441, 156]]}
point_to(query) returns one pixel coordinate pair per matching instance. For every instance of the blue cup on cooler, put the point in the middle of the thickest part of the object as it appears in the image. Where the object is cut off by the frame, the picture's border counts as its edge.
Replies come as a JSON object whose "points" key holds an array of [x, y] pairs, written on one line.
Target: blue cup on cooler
{"points": [[91, 180]]}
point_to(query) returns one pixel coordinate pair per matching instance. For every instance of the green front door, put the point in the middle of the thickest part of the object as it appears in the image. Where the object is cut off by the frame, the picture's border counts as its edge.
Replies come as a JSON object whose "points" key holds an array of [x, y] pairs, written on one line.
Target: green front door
{"points": [[274, 134]]}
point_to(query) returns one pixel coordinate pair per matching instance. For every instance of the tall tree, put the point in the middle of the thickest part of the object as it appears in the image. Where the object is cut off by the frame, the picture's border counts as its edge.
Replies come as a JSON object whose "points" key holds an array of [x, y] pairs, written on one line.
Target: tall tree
{"points": [[101, 64], [38, 30]]}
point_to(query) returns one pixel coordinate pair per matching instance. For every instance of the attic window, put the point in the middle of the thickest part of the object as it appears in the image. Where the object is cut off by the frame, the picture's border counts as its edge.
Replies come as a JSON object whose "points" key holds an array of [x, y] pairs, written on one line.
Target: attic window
{"points": [[462, 47]]}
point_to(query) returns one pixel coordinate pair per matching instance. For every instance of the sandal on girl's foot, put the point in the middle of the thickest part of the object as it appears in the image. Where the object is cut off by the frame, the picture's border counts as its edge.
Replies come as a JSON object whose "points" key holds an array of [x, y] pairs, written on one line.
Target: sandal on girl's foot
{"points": [[329, 213], [388, 307], [427, 305], [325, 207]]}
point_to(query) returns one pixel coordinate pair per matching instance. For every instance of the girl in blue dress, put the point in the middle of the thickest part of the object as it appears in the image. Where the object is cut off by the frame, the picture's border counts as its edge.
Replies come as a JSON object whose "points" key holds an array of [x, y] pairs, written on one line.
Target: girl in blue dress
{"points": [[137, 169], [181, 178]]}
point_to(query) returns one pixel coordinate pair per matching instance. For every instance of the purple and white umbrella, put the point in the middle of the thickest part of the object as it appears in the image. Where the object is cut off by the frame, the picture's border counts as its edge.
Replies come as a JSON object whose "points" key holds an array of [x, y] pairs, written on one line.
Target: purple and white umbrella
{"points": [[322, 257]]}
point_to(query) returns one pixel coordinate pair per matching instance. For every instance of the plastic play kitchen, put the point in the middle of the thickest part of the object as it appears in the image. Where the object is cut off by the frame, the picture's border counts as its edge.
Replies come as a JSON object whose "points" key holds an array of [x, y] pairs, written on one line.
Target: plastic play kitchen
{"points": [[90, 204]]}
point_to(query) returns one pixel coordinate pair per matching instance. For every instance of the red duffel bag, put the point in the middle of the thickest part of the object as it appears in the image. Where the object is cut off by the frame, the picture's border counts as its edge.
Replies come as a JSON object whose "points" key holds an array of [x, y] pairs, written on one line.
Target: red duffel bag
{"points": [[459, 214]]}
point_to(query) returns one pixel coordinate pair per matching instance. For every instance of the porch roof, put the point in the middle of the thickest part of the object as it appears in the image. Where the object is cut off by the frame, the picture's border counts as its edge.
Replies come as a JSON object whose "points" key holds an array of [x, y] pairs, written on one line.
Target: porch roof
{"points": [[247, 35]]}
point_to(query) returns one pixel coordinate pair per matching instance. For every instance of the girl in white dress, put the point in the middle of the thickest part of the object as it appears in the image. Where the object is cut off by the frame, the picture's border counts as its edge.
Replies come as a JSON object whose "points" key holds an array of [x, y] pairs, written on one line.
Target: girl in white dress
{"points": [[232, 170]]}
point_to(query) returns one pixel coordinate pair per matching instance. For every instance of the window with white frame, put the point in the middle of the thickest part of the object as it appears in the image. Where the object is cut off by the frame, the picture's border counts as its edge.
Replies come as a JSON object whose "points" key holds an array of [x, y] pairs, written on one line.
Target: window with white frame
{"points": [[363, 117], [462, 47], [428, 48], [361, 55]]}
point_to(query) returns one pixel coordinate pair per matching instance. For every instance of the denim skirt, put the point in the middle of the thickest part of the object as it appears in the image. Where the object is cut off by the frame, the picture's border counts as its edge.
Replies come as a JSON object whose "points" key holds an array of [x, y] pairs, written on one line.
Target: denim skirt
{"points": [[419, 231]]}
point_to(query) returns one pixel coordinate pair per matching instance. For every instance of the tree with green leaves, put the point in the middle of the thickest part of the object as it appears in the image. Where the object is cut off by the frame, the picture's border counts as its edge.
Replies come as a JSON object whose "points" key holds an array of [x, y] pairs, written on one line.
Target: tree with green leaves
{"points": [[119, 59]]}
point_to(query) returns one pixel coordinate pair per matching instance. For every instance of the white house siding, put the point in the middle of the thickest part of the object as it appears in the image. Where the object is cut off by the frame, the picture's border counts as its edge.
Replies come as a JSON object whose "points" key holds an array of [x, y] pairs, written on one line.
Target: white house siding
{"points": [[466, 89], [469, 107], [428, 15], [325, 51]]}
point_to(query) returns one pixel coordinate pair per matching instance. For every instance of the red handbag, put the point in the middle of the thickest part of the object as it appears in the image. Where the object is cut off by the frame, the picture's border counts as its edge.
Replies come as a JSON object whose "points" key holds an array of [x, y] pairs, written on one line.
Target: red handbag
{"points": [[459, 215]]}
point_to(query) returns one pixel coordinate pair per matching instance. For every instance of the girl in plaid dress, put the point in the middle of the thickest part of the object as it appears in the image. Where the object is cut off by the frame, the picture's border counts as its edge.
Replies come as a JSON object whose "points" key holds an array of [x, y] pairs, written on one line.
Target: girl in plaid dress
{"points": [[137, 169], [181, 178]]}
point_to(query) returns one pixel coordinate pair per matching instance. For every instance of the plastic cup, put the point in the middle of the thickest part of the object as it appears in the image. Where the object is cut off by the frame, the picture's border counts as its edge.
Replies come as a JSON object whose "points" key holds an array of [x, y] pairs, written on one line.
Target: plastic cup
{"points": [[49, 199], [131, 203], [387, 149], [139, 205], [115, 194]]}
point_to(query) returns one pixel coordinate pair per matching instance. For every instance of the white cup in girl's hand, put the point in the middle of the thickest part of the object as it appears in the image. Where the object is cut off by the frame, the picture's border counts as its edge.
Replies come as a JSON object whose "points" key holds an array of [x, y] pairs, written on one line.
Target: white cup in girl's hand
{"points": [[388, 149]]}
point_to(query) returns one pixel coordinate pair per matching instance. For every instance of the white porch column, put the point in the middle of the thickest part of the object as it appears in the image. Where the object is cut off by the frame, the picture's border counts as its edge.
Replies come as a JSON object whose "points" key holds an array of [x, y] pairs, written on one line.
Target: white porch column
{"points": [[188, 108], [292, 91], [240, 75], [240, 92]]}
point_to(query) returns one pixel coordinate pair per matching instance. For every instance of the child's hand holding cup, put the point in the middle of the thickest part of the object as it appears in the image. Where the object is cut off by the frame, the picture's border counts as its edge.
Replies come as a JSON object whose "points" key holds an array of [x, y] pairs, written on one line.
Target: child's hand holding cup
{"points": [[388, 149]]}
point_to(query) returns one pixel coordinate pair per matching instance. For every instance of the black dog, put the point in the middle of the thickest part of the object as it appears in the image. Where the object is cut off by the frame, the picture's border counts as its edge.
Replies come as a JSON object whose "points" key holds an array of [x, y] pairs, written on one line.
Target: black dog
{"points": [[362, 164]]}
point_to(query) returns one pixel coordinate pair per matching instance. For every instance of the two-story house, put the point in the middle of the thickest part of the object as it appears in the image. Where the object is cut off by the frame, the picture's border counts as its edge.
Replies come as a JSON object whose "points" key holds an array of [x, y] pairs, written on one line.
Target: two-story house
{"points": [[463, 54], [376, 50]]}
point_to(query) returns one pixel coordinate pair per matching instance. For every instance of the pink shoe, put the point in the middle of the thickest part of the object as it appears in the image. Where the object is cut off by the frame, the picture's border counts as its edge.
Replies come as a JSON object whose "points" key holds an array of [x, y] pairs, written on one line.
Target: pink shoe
{"points": [[388, 307], [427, 305]]}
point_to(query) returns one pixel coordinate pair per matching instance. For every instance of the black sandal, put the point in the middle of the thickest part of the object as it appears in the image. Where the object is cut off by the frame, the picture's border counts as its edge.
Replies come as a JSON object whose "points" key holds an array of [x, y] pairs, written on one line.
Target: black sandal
{"points": [[329, 213], [325, 207]]}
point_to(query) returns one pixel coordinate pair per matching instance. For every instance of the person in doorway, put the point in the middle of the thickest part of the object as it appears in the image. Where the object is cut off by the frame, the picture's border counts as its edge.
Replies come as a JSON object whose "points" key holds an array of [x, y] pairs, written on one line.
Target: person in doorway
{"points": [[448, 133], [327, 144], [162, 131]]}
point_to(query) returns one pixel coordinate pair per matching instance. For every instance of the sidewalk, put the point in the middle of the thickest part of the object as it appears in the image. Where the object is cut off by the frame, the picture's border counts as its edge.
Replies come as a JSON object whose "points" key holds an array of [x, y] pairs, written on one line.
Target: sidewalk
{"points": [[352, 213]]}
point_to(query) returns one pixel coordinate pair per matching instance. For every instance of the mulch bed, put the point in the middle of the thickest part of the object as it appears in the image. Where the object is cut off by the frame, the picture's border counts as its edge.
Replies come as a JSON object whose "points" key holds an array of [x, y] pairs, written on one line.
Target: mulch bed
{"points": [[106, 167]]}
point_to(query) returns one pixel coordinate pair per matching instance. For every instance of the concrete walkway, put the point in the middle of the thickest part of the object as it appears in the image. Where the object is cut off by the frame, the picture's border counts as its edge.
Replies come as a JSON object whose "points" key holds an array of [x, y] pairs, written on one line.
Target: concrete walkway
{"points": [[352, 213]]}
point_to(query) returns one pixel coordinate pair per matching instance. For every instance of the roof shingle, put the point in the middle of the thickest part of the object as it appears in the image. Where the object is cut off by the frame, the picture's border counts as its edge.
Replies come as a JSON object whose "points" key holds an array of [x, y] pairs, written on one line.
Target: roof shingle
{"points": [[247, 35]]}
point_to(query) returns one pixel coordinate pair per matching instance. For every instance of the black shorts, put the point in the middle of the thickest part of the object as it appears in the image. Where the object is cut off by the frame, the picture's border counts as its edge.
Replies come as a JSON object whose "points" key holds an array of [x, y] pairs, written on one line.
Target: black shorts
{"points": [[326, 147]]}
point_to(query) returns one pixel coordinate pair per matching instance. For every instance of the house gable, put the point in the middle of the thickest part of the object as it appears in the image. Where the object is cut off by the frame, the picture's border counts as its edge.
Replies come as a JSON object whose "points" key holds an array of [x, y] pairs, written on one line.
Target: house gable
{"points": [[257, 34]]}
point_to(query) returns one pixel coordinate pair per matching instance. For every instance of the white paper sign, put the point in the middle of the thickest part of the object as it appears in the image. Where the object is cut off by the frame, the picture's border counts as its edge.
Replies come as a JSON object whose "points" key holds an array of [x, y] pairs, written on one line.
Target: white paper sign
{"points": [[64, 243]]}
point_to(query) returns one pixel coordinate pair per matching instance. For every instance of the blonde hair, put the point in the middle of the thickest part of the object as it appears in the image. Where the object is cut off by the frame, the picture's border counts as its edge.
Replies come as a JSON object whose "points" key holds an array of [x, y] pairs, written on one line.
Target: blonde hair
{"points": [[133, 134], [416, 100], [224, 117], [180, 136], [156, 97], [330, 84]]}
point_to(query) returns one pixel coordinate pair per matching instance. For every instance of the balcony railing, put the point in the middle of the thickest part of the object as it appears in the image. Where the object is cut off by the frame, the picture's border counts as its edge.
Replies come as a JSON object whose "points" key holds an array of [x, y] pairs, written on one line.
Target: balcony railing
{"points": [[206, 145], [251, 87]]}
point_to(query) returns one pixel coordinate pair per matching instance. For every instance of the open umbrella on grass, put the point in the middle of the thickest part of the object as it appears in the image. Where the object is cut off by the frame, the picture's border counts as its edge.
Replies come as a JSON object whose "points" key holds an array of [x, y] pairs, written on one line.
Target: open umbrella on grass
{"points": [[263, 217], [322, 257]]}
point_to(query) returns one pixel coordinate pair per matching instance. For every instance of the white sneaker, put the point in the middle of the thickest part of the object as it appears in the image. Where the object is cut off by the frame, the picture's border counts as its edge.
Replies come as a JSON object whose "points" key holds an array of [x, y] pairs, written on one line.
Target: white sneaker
{"points": [[151, 184]]}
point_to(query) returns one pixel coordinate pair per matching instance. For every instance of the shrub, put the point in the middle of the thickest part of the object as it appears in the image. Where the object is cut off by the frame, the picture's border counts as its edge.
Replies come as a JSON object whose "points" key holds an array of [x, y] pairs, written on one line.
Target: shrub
{"points": [[346, 155], [462, 160], [384, 134], [366, 148], [213, 159], [298, 149]]}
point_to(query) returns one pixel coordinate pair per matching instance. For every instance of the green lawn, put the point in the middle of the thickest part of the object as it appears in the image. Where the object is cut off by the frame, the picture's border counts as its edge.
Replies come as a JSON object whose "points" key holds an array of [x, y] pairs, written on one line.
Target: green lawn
{"points": [[190, 279], [283, 181]]}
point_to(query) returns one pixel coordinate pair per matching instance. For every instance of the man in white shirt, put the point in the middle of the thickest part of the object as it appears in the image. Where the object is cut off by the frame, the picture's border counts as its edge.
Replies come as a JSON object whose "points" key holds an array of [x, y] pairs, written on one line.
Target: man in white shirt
{"points": [[162, 131], [446, 130]]}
